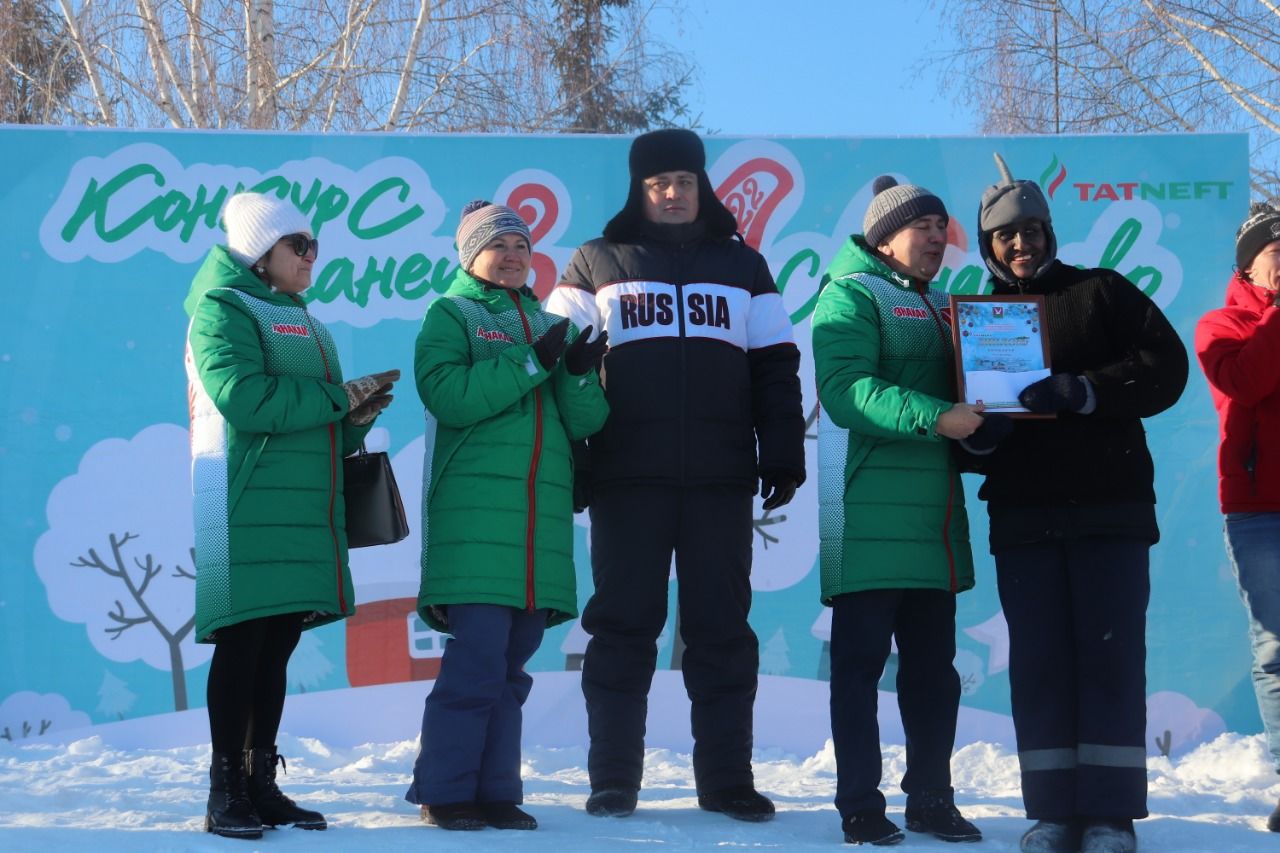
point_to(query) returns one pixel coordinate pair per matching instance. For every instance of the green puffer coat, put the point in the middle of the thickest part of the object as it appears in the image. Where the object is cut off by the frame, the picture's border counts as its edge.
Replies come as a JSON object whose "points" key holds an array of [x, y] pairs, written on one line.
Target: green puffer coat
{"points": [[267, 439], [890, 500], [497, 474]]}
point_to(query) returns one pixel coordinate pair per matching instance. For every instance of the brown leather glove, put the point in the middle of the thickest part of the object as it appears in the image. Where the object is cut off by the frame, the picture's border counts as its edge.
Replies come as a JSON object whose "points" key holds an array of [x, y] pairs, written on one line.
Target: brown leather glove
{"points": [[369, 409], [360, 390]]}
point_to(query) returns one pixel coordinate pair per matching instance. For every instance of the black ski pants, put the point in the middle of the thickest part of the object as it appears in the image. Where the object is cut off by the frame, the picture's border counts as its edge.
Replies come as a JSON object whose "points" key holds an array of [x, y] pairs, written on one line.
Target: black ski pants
{"points": [[635, 530]]}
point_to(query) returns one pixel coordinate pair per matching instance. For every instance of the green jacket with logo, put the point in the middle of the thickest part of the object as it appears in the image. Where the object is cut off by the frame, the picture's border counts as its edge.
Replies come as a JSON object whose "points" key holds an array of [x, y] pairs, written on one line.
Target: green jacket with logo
{"points": [[890, 500], [497, 474], [268, 433]]}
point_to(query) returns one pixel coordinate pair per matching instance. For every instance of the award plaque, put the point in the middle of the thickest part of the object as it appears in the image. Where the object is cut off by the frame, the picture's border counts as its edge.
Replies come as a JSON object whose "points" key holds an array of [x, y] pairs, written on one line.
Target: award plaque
{"points": [[1000, 349]]}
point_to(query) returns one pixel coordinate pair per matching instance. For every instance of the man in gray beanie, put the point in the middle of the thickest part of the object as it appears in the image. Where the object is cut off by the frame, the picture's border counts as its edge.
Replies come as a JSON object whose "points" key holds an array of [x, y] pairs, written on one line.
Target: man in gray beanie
{"points": [[894, 535], [1072, 509], [704, 397]]}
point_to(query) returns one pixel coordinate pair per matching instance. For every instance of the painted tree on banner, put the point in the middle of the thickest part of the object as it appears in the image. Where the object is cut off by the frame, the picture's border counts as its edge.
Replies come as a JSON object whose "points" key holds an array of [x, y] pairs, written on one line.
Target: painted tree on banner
{"points": [[117, 555]]}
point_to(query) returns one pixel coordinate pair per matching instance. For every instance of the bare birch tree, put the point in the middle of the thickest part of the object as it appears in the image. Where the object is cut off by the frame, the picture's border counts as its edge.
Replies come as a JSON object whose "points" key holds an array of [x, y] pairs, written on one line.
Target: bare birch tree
{"points": [[359, 65], [40, 64], [1073, 66]]}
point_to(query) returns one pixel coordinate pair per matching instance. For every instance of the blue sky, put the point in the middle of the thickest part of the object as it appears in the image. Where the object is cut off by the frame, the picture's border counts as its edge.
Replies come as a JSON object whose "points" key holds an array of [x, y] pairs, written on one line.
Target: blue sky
{"points": [[819, 68]]}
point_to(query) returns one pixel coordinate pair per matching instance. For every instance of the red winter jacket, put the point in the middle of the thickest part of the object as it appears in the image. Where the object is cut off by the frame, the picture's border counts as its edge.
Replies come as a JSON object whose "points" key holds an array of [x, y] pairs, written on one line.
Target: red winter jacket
{"points": [[1239, 350]]}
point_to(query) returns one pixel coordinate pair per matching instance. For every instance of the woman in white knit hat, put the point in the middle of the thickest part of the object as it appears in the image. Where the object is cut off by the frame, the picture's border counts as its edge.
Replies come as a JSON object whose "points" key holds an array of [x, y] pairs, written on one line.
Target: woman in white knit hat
{"points": [[271, 419]]}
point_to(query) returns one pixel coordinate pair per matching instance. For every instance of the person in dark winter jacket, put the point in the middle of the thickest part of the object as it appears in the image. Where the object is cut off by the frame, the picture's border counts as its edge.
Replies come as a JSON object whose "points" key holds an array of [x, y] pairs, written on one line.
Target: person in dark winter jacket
{"points": [[271, 419], [1072, 509], [895, 538], [1239, 349], [704, 399], [506, 386]]}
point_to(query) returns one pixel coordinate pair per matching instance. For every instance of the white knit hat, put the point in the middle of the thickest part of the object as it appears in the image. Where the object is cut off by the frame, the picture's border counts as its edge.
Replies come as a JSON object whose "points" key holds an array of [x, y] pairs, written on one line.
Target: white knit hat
{"points": [[255, 222]]}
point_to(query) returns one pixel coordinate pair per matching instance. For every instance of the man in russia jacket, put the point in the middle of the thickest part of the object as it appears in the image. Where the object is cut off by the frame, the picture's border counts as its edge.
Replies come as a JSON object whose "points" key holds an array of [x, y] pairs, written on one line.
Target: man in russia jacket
{"points": [[704, 395]]}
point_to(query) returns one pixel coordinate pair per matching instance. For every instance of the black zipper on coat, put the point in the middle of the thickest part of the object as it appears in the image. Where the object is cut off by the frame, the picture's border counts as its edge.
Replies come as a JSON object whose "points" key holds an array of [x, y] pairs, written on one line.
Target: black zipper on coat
{"points": [[678, 279]]}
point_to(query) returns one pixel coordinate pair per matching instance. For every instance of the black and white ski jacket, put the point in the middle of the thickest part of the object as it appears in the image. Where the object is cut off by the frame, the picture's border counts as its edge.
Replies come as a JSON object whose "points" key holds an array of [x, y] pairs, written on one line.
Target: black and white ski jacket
{"points": [[702, 369]]}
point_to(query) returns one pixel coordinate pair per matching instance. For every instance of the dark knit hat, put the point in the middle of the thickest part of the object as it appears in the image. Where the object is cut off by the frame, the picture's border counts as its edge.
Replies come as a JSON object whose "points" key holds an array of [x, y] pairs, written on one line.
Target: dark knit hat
{"points": [[1260, 228], [1008, 201], [895, 206], [671, 149], [481, 222]]}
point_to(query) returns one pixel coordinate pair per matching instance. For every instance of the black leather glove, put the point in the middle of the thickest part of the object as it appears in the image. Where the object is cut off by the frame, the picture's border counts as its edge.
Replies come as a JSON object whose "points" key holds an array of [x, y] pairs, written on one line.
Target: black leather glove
{"points": [[777, 488], [550, 346], [995, 429], [582, 356], [1059, 392]]}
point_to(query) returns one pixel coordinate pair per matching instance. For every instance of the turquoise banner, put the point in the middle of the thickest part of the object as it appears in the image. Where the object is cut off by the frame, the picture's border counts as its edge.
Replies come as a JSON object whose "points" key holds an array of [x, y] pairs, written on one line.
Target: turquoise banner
{"points": [[103, 231]]}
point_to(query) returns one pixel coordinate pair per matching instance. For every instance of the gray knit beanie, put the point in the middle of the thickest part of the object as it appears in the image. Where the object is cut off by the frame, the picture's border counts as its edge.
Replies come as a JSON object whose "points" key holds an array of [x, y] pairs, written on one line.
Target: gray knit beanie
{"points": [[1006, 202], [895, 206], [481, 222], [255, 222], [1260, 228]]}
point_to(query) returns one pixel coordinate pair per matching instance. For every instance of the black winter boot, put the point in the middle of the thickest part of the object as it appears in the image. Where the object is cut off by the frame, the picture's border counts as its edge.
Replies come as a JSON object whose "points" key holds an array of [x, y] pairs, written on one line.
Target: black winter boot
{"points": [[229, 812], [871, 827], [742, 803], [935, 812], [464, 817], [507, 815], [612, 800], [273, 807]]}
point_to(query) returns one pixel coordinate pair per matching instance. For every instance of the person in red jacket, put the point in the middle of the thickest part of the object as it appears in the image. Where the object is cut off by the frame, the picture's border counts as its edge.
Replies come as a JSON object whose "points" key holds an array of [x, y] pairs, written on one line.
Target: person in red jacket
{"points": [[1239, 349]]}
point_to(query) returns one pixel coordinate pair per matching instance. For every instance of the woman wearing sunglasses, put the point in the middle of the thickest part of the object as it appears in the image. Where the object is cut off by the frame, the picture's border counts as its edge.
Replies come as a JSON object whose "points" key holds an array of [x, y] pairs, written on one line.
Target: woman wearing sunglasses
{"points": [[271, 419]]}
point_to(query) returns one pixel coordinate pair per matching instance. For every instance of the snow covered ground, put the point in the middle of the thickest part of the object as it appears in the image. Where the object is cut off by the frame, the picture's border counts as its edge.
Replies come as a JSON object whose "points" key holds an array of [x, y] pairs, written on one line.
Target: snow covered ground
{"points": [[141, 784]]}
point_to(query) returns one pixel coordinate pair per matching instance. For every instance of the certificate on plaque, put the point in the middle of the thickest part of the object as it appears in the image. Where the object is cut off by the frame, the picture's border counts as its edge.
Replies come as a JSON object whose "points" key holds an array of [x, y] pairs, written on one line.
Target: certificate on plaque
{"points": [[1000, 349]]}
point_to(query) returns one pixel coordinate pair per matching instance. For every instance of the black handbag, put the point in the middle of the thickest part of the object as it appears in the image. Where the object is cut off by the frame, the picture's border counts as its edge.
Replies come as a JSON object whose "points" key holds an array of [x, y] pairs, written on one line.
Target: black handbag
{"points": [[375, 513]]}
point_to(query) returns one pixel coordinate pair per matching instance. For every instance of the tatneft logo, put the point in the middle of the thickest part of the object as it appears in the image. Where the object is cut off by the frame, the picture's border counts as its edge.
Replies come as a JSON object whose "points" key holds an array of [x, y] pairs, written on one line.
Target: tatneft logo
{"points": [[913, 313], [290, 329], [1125, 189]]}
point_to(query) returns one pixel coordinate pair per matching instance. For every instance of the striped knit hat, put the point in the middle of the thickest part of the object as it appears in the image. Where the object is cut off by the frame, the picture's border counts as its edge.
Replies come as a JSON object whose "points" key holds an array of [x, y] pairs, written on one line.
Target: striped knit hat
{"points": [[1262, 227], [895, 206], [481, 222], [255, 222]]}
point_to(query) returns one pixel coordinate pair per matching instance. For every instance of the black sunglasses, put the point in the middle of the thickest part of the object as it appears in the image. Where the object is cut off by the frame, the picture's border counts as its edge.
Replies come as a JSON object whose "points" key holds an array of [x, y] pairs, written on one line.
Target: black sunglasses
{"points": [[301, 244]]}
